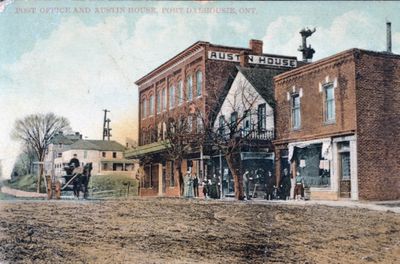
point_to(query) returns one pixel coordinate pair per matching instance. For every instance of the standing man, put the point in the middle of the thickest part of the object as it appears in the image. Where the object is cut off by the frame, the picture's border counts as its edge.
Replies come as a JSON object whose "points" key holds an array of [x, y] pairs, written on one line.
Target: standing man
{"points": [[285, 184], [246, 186], [196, 185], [299, 188]]}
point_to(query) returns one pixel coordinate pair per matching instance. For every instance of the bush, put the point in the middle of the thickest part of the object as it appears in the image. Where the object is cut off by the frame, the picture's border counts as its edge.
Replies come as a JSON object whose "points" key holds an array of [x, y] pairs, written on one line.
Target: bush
{"points": [[116, 183], [25, 183]]}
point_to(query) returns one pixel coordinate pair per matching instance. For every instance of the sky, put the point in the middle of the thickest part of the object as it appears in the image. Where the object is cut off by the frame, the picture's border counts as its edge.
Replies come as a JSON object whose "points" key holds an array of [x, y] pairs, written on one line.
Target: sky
{"points": [[76, 58]]}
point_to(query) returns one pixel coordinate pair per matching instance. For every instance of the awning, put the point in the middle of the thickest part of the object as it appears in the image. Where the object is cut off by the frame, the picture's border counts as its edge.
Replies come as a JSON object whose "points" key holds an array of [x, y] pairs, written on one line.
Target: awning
{"points": [[118, 161], [148, 149], [326, 151]]}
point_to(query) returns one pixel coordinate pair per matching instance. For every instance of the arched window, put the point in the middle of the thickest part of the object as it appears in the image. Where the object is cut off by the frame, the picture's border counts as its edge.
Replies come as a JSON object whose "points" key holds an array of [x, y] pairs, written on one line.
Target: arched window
{"points": [[180, 92], [189, 88], [171, 97], [151, 103], [144, 108], [199, 82]]}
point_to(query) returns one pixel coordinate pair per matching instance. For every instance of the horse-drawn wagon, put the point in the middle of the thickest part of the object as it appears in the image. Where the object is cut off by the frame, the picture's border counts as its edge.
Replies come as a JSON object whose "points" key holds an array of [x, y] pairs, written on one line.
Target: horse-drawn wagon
{"points": [[74, 180]]}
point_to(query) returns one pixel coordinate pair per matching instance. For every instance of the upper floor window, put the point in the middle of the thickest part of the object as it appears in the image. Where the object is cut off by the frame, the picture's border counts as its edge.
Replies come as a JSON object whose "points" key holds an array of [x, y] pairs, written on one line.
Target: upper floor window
{"points": [[151, 105], [247, 120], [189, 88], [144, 108], [59, 155], [329, 103], [164, 99], [114, 155], [199, 81], [180, 92], [221, 124], [296, 121], [159, 101], [171, 97], [262, 117], [103, 154], [234, 118]]}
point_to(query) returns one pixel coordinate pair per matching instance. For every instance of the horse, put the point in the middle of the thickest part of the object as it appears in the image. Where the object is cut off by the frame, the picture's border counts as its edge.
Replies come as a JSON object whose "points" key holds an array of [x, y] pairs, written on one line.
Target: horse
{"points": [[81, 181]]}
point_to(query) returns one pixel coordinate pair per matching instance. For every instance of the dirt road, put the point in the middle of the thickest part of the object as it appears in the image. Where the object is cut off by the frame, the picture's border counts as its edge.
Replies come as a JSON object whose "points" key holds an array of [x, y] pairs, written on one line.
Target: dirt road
{"points": [[191, 231]]}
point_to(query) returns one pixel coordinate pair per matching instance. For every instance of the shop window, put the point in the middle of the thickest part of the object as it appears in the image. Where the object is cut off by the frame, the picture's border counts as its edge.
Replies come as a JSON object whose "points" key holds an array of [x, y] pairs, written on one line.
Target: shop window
{"points": [[199, 81], [329, 103], [262, 117], [296, 117], [312, 166]]}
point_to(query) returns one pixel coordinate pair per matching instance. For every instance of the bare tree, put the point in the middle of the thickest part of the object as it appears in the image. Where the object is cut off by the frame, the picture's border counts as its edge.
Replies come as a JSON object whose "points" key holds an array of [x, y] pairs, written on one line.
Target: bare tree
{"points": [[183, 135], [241, 129], [35, 132]]}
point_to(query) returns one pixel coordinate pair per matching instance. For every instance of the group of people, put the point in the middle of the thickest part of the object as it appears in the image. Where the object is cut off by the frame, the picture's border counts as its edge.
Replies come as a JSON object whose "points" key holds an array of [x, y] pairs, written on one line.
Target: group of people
{"points": [[288, 187], [192, 184]]}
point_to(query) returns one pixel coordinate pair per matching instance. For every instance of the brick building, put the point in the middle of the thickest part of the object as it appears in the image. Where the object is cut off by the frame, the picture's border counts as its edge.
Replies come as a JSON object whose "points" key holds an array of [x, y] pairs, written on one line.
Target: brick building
{"points": [[337, 122], [193, 79]]}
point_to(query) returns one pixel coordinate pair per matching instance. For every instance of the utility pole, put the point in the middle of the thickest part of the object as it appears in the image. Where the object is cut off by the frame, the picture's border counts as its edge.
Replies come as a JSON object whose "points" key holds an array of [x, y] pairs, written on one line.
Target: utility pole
{"points": [[106, 126]]}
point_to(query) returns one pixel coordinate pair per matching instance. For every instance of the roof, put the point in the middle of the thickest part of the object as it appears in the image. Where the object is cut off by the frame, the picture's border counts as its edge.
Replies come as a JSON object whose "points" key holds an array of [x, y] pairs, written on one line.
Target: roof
{"points": [[332, 59], [148, 149], [262, 80], [100, 145], [64, 139]]}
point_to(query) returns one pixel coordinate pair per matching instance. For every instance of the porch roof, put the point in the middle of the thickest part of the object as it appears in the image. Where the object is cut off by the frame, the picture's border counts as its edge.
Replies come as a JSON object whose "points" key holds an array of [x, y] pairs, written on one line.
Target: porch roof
{"points": [[147, 149]]}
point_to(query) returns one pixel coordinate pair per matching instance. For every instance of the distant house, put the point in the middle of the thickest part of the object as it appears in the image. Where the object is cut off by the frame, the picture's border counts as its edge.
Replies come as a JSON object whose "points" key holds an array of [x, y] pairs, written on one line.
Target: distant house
{"points": [[107, 157], [59, 143]]}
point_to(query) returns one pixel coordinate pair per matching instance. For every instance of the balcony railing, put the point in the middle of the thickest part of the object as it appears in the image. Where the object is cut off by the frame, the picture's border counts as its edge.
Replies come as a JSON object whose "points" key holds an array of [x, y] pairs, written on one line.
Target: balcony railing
{"points": [[249, 134]]}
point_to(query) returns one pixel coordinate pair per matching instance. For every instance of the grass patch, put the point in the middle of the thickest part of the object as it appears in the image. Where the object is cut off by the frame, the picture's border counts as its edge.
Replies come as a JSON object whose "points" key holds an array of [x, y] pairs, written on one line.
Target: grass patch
{"points": [[25, 183], [116, 184]]}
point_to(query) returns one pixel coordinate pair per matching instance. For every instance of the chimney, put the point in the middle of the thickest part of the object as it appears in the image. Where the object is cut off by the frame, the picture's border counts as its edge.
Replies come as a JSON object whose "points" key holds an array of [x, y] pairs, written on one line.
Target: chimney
{"points": [[389, 37], [256, 46], [244, 58]]}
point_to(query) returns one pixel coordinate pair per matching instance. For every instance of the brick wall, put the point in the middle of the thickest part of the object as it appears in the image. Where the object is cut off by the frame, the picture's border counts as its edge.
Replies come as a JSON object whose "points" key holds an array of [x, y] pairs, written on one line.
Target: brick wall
{"points": [[306, 81], [378, 126]]}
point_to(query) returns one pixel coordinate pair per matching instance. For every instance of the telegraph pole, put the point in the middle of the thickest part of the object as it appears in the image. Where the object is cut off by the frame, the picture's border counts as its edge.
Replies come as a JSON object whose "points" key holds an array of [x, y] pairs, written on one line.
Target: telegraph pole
{"points": [[106, 126]]}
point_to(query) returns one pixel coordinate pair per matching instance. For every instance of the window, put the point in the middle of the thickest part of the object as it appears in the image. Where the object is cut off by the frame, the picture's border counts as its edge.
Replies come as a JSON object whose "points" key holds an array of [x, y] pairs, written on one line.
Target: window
{"points": [[114, 155], [189, 88], [159, 101], [247, 120], [105, 166], [262, 117], [164, 99], [59, 155], [221, 125], [296, 121], [234, 117], [329, 103], [199, 123], [144, 108], [171, 97], [151, 104], [199, 81], [103, 154], [172, 176], [190, 123], [60, 145], [180, 92]]}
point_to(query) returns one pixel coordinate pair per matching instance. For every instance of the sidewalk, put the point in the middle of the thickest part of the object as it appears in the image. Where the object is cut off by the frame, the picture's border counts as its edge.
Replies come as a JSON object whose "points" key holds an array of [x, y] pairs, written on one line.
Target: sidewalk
{"points": [[19, 193], [391, 206]]}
